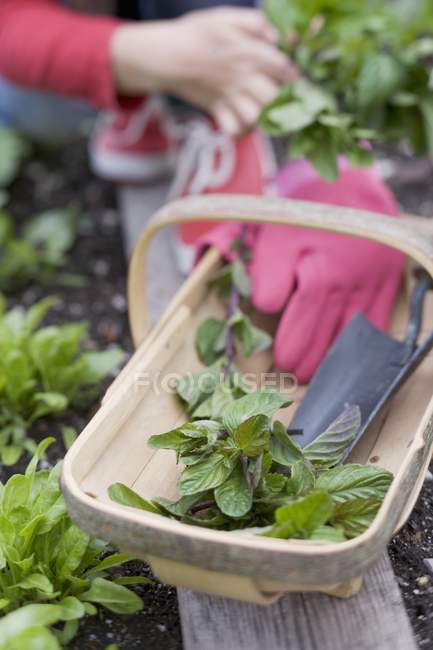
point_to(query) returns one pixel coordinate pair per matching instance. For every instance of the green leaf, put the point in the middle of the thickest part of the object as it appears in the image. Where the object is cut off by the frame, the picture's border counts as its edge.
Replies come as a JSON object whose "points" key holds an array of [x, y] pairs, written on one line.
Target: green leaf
{"points": [[15, 493], [303, 516], [233, 497], [329, 534], [32, 638], [111, 560], [264, 402], [13, 149], [241, 278], [193, 389], [379, 77], [355, 516], [301, 478], [48, 403], [39, 454], [112, 596], [207, 335], [37, 581], [182, 506], [71, 550], [72, 608], [214, 407], [100, 364], [126, 497], [274, 482], [328, 448], [323, 157], [353, 481], [252, 435], [69, 436], [24, 618], [284, 450], [252, 338], [427, 112], [207, 474], [55, 231], [10, 454]]}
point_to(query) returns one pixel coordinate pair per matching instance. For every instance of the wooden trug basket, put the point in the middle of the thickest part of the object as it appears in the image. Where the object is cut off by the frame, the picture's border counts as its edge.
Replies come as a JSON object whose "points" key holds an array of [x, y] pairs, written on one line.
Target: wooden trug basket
{"points": [[113, 446]]}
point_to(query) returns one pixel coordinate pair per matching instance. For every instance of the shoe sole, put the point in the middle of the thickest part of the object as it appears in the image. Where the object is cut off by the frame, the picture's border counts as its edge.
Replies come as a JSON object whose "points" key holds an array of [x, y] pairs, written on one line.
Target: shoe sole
{"points": [[126, 168]]}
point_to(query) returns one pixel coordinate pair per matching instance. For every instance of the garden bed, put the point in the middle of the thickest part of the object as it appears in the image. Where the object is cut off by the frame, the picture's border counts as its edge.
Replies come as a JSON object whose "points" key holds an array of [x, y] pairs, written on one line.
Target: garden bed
{"points": [[56, 179]]}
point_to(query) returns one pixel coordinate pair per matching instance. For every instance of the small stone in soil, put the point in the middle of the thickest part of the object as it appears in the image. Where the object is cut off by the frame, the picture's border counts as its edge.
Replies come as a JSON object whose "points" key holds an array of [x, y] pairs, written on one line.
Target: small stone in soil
{"points": [[101, 268], [119, 302]]}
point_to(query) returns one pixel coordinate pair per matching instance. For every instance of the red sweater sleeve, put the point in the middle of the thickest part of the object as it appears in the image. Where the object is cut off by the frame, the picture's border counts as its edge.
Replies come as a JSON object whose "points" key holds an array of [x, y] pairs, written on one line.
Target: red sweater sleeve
{"points": [[46, 46]]}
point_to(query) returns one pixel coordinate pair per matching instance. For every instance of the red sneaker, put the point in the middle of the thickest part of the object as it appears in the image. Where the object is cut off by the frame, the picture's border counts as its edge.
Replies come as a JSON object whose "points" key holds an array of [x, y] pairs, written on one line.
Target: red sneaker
{"points": [[133, 144], [213, 162]]}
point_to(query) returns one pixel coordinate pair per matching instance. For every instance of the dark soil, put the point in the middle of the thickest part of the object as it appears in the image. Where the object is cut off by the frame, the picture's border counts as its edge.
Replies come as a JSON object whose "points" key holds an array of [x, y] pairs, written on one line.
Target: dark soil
{"points": [[53, 181], [56, 179]]}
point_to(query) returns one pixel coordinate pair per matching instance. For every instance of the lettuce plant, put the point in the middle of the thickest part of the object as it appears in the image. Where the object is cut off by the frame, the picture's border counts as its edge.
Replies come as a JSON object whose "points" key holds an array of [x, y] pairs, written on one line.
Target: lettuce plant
{"points": [[43, 370], [13, 150], [52, 574], [40, 251]]}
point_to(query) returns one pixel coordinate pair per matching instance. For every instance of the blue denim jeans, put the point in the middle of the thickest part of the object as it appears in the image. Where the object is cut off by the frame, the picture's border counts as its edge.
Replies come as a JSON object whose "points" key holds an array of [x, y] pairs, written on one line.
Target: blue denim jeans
{"points": [[53, 118]]}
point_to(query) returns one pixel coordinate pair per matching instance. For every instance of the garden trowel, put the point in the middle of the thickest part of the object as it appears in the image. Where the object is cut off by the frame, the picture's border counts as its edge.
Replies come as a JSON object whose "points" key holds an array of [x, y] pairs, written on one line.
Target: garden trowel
{"points": [[364, 367]]}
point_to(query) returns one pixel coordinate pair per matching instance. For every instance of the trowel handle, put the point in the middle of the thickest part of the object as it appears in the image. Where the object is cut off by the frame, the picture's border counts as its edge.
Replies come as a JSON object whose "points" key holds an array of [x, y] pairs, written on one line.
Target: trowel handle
{"points": [[424, 283]]}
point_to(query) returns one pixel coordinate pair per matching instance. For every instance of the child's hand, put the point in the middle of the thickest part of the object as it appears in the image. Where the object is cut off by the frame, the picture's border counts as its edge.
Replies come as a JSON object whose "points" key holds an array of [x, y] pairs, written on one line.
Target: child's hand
{"points": [[223, 60]]}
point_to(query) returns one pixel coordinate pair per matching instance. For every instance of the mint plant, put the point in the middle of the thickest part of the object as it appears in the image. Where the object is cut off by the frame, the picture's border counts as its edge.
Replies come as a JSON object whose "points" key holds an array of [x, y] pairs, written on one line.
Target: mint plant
{"points": [[40, 252], [43, 371], [207, 393], [365, 73], [52, 574], [242, 469]]}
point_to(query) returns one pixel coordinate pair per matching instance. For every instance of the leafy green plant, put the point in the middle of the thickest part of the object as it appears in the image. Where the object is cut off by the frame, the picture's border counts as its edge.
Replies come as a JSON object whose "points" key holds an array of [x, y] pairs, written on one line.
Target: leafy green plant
{"points": [[13, 150], [40, 251], [365, 73], [243, 471], [52, 574], [207, 393], [242, 468], [43, 370]]}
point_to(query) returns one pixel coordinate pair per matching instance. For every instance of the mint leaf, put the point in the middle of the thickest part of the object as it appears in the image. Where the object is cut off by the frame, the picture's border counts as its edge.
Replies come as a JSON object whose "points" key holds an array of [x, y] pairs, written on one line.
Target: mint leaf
{"points": [[264, 402], [215, 405], [302, 517], [252, 435], [355, 516], [234, 497], [329, 534], [328, 448], [241, 279], [207, 335], [207, 474], [284, 450], [302, 479], [353, 481]]}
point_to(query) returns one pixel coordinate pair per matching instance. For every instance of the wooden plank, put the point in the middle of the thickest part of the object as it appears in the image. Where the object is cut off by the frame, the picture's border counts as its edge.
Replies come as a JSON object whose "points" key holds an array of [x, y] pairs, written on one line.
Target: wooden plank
{"points": [[375, 618]]}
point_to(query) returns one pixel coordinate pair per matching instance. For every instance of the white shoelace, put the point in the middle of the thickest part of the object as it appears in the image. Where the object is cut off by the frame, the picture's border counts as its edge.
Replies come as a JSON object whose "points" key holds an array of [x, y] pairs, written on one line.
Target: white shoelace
{"points": [[206, 161], [150, 109]]}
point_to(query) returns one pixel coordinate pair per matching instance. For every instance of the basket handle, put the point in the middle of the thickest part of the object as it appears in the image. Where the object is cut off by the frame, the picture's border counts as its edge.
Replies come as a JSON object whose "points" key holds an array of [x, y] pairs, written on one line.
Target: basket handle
{"points": [[412, 235]]}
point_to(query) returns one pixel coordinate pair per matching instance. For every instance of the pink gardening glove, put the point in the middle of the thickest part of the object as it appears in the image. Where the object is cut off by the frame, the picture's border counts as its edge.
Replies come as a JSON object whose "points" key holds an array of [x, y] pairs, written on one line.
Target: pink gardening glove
{"points": [[319, 280]]}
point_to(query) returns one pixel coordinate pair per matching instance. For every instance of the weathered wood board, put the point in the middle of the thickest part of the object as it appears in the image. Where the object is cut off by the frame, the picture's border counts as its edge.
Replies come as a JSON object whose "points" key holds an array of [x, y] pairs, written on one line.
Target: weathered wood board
{"points": [[374, 619]]}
